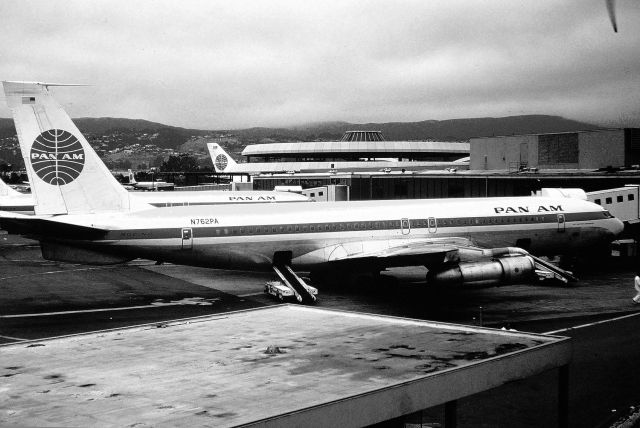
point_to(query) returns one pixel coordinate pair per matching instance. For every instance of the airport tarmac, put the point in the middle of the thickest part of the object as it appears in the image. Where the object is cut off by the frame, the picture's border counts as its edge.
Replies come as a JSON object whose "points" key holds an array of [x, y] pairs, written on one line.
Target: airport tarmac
{"points": [[41, 299]]}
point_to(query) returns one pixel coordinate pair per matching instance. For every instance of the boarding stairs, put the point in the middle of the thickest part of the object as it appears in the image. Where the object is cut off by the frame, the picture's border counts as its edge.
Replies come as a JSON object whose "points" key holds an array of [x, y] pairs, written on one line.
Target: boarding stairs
{"points": [[295, 283], [546, 270]]}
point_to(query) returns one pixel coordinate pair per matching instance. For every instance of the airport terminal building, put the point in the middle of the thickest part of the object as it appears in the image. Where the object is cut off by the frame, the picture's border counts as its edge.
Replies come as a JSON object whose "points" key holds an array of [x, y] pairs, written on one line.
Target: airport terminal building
{"points": [[357, 145], [586, 150], [499, 166]]}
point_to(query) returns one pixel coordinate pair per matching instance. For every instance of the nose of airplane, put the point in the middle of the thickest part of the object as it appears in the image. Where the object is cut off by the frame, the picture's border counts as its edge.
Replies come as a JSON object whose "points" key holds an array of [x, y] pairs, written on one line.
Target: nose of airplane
{"points": [[616, 227]]}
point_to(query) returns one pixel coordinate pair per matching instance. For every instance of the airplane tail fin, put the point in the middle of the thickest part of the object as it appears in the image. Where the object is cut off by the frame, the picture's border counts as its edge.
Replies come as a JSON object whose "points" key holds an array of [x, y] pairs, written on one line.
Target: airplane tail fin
{"points": [[5, 190], [222, 162], [66, 174]]}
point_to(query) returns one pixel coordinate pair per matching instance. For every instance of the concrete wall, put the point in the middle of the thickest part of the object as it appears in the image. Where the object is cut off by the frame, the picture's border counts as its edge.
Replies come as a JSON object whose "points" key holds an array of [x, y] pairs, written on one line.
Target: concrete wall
{"points": [[601, 149], [503, 153], [596, 149]]}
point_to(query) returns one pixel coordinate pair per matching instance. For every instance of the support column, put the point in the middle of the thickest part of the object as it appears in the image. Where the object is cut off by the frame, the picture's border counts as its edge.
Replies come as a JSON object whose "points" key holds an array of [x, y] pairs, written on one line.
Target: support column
{"points": [[450, 414], [563, 396]]}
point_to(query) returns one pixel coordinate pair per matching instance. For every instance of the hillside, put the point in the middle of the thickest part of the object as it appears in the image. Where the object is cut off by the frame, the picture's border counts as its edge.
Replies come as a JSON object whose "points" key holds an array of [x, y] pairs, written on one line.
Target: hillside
{"points": [[168, 136], [443, 130]]}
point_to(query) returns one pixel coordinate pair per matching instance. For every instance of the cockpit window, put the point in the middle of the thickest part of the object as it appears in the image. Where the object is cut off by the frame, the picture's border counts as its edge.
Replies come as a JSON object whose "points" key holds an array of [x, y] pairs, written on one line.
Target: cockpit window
{"points": [[607, 214]]}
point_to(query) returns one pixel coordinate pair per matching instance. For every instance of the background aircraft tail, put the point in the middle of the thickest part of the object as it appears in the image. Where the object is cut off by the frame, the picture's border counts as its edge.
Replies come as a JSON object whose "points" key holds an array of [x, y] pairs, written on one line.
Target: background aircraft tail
{"points": [[5, 190], [222, 162], [66, 174], [132, 177]]}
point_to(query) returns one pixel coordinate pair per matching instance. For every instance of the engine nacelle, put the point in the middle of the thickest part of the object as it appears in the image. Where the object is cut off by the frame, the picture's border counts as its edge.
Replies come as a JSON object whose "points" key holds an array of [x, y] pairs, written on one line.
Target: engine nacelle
{"points": [[504, 271]]}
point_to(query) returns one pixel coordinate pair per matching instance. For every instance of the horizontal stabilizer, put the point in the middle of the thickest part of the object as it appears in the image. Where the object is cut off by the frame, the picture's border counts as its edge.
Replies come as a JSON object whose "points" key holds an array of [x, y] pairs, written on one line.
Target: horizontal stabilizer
{"points": [[46, 84], [47, 227]]}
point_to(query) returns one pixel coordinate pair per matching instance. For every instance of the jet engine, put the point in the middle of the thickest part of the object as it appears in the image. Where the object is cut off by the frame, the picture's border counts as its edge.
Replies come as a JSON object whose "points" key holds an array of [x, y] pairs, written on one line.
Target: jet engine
{"points": [[502, 271]]}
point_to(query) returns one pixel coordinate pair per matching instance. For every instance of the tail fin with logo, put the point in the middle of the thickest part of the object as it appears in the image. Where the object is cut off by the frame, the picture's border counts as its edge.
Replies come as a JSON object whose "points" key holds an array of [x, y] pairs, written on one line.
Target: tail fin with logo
{"points": [[5, 190], [222, 162], [66, 174], [132, 177]]}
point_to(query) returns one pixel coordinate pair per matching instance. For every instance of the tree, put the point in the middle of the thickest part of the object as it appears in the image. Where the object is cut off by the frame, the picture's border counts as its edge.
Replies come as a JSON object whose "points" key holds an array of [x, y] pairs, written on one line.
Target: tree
{"points": [[182, 162]]}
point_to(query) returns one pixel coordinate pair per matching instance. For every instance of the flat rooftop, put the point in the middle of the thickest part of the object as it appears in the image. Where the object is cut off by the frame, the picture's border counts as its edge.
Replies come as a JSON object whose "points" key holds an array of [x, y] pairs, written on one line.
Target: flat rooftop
{"points": [[284, 365], [366, 148]]}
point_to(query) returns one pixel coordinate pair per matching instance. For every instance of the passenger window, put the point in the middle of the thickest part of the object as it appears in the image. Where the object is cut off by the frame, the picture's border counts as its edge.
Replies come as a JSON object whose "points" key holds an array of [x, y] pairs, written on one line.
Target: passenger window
{"points": [[598, 201], [620, 198], [630, 197], [608, 201]]}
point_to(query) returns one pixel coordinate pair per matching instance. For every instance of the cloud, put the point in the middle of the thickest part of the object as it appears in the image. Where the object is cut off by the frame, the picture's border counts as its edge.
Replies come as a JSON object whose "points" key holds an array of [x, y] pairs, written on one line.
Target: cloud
{"points": [[222, 65]]}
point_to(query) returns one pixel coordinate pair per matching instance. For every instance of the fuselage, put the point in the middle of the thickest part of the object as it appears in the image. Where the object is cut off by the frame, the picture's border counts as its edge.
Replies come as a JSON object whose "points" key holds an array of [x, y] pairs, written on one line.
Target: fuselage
{"points": [[20, 203], [249, 236], [23, 203]]}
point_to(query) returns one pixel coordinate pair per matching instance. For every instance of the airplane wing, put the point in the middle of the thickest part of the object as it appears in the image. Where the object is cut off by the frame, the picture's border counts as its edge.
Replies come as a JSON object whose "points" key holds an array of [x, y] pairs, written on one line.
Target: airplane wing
{"points": [[442, 253], [428, 252]]}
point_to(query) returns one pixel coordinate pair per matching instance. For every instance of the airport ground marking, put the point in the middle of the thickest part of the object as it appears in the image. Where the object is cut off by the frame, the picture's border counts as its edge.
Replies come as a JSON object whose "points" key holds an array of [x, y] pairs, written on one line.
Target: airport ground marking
{"points": [[260, 293], [83, 311], [12, 338], [51, 272], [591, 324]]}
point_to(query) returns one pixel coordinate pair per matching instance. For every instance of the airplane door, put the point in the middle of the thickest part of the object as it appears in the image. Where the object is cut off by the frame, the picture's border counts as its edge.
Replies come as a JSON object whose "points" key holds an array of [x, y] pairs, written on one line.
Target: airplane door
{"points": [[432, 224], [405, 225], [560, 222], [187, 239]]}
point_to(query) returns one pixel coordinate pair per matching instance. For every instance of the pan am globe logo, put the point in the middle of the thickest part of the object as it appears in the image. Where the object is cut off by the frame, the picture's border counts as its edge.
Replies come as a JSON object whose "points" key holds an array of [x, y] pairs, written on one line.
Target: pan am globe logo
{"points": [[57, 157], [221, 162]]}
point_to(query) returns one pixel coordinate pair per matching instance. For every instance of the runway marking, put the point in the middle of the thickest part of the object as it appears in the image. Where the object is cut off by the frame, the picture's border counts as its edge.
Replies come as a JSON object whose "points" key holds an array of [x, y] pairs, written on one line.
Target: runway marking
{"points": [[83, 311], [592, 324], [56, 271], [13, 338], [251, 294]]}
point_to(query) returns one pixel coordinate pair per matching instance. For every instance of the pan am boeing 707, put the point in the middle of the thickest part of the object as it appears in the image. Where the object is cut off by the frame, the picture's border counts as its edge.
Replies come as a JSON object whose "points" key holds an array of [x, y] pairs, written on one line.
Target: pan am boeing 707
{"points": [[84, 216]]}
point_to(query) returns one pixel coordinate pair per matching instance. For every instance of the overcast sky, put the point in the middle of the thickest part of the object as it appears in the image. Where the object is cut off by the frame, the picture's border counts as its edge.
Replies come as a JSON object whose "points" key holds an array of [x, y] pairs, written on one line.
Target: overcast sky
{"points": [[233, 64]]}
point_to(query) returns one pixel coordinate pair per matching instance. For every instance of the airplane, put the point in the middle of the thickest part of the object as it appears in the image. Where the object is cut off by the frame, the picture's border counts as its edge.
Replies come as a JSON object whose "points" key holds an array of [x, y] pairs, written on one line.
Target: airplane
{"points": [[84, 216], [611, 9], [224, 164], [12, 200], [149, 185]]}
